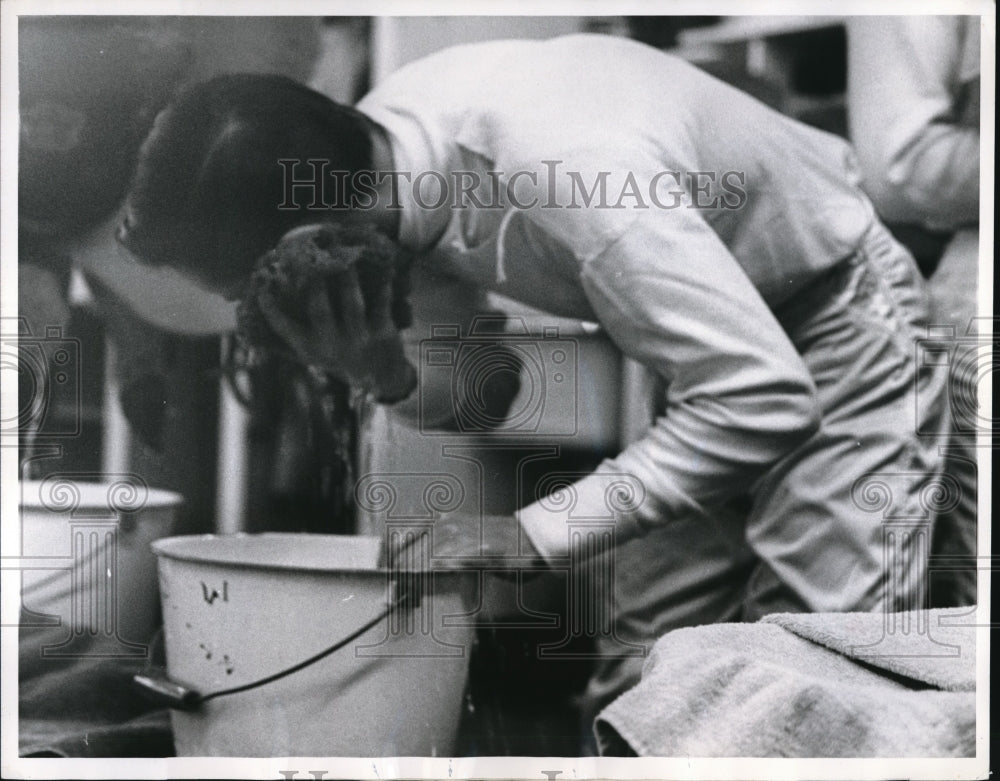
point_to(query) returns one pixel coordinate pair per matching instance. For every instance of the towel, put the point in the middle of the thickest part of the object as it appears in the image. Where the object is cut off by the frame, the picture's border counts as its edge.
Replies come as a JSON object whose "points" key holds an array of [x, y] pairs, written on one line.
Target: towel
{"points": [[799, 685], [935, 647]]}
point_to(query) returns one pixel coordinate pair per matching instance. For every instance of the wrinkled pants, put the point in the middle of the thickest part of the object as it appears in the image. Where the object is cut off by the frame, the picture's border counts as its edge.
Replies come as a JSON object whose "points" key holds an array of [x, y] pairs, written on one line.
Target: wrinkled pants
{"points": [[844, 523]]}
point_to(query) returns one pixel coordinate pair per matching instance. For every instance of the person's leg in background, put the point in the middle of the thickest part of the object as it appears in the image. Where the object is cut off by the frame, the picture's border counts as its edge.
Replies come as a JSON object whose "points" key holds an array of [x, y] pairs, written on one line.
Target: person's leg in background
{"points": [[953, 288], [845, 522]]}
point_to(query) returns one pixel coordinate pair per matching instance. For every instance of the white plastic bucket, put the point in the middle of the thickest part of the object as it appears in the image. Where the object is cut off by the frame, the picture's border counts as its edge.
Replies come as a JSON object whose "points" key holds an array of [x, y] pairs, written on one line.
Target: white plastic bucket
{"points": [[87, 559], [239, 608]]}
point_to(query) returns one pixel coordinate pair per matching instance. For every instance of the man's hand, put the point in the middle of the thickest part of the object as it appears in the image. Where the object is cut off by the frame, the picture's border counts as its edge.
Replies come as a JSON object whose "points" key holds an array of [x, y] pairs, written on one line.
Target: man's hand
{"points": [[468, 542], [359, 346]]}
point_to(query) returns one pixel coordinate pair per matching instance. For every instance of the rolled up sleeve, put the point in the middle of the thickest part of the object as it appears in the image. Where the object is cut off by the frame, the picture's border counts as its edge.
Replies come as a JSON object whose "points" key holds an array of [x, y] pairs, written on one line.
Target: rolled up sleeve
{"points": [[739, 398]]}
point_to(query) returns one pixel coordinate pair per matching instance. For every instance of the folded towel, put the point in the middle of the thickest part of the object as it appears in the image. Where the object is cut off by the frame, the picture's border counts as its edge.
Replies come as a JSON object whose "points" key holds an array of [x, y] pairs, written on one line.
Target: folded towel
{"points": [[826, 685], [936, 647]]}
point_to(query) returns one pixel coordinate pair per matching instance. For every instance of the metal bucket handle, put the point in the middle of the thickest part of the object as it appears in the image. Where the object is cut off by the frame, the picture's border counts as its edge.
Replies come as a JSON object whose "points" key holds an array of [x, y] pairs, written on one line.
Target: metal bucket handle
{"points": [[155, 684]]}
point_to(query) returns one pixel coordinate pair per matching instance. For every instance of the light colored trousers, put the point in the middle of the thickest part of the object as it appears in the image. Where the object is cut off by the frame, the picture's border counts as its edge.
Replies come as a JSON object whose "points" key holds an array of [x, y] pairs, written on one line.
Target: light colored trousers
{"points": [[843, 523]]}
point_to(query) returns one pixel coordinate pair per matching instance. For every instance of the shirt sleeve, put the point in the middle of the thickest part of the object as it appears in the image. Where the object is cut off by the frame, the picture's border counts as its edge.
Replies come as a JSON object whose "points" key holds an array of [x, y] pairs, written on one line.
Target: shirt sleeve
{"points": [[920, 162], [672, 296]]}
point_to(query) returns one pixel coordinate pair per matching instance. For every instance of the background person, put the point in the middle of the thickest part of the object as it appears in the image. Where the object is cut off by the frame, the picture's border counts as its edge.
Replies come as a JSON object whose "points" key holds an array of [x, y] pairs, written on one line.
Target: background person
{"points": [[913, 105]]}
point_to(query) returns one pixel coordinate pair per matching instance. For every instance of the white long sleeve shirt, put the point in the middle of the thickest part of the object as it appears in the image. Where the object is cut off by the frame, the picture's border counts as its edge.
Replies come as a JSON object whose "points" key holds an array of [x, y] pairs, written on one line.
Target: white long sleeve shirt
{"points": [[914, 114], [686, 289]]}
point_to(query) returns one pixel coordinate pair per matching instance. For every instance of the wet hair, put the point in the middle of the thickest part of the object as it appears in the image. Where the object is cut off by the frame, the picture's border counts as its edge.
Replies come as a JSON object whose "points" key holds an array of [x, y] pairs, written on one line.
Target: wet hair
{"points": [[207, 193]]}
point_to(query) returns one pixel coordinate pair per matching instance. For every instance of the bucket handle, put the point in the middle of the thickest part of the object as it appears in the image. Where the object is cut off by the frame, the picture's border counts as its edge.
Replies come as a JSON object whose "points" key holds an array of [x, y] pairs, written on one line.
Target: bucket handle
{"points": [[156, 685]]}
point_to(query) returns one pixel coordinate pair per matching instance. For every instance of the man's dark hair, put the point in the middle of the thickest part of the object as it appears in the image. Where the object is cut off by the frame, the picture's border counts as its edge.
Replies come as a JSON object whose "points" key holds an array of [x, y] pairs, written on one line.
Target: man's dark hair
{"points": [[208, 185]]}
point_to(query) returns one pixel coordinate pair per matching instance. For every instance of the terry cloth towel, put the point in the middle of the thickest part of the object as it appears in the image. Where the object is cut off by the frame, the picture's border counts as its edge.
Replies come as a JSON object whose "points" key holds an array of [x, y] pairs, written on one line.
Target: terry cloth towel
{"points": [[800, 685]]}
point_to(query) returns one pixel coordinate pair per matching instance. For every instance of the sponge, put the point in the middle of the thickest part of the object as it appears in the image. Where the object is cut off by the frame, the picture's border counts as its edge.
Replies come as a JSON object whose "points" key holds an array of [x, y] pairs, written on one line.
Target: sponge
{"points": [[301, 262]]}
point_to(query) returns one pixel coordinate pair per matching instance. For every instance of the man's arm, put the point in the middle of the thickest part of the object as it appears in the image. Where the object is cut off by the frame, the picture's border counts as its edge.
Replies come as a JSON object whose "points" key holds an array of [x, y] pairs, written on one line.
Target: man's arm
{"points": [[672, 296], [920, 163]]}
